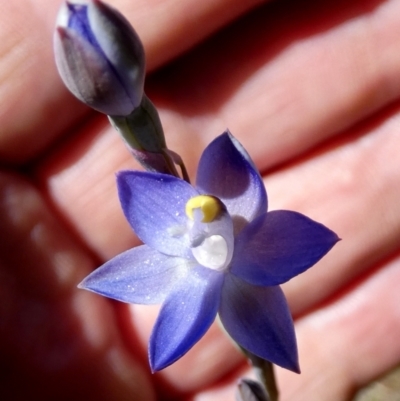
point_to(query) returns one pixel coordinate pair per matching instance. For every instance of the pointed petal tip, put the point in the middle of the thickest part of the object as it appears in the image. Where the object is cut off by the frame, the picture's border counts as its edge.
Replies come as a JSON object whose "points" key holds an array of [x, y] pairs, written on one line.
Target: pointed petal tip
{"points": [[227, 171], [334, 238], [155, 363], [292, 365], [85, 284], [151, 365], [296, 368]]}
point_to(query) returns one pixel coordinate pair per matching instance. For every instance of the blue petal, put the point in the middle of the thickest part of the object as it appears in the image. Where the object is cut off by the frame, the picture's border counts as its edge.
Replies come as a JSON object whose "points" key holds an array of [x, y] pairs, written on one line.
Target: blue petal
{"points": [[140, 275], [259, 320], [154, 204], [226, 171], [185, 316], [278, 246]]}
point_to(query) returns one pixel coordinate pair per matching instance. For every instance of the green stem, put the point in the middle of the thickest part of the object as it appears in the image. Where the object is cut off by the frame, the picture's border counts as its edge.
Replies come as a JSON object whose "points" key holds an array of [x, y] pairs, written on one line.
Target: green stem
{"points": [[179, 162], [265, 373], [144, 135]]}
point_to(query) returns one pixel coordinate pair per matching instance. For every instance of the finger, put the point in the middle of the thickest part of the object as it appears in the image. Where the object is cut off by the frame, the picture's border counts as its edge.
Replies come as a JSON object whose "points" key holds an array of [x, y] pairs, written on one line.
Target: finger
{"points": [[352, 189], [341, 345], [31, 92], [286, 77], [168, 28], [60, 342]]}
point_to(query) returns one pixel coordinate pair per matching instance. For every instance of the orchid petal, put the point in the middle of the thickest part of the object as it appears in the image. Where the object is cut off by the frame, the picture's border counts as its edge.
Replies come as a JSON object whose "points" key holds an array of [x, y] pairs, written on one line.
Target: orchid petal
{"points": [[259, 320], [185, 316], [140, 275], [226, 171], [278, 246], [154, 204]]}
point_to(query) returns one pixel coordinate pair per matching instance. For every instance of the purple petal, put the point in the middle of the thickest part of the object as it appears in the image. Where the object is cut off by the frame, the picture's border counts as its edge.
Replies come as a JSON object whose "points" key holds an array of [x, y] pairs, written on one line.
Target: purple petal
{"points": [[185, 316], [226, 171], [154, 204], [140, 275], [259, 320], [278, 246]]}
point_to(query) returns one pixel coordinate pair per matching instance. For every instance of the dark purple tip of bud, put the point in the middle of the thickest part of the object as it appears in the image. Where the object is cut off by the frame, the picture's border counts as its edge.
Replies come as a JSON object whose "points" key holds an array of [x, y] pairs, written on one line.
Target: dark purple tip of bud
{"points": [[250, 390], [79, 22]]}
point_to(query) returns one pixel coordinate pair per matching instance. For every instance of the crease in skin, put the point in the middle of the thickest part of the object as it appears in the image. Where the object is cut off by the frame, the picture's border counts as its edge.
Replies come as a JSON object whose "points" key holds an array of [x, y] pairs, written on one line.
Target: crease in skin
{"points": [[294, 104]]}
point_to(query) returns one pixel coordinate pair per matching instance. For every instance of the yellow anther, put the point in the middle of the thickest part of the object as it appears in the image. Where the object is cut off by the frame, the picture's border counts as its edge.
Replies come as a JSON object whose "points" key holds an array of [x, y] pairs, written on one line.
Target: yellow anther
{"points": [[209, 206]]}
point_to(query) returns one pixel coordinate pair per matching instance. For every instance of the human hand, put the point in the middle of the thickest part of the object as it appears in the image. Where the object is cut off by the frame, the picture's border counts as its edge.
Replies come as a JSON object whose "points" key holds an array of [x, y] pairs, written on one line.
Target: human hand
{"points": [[310, 91]]}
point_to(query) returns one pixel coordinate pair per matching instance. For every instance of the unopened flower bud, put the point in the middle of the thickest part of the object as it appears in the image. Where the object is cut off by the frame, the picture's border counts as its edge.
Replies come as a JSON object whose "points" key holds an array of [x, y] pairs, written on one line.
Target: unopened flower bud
{"points": [[100, 57]]}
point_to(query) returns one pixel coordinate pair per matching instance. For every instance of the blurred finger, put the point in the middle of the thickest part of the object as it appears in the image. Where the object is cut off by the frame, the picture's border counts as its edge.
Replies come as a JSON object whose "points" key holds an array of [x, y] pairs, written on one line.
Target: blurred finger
{"points": [[57, 342]]}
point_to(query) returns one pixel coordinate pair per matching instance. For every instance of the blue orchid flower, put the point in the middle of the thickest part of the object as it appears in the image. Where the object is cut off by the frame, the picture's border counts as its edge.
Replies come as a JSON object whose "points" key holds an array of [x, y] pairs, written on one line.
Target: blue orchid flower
{"points": [[212, 249]]}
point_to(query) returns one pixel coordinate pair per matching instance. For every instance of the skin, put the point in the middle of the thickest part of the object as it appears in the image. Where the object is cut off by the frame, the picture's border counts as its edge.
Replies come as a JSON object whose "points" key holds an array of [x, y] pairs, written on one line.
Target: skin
{"points": [[312, 92]]}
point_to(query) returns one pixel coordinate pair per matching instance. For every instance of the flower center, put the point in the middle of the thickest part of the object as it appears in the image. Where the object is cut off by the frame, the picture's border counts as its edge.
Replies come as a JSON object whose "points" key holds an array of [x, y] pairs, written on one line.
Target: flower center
{"points": [[212, 253], [210, 232]]}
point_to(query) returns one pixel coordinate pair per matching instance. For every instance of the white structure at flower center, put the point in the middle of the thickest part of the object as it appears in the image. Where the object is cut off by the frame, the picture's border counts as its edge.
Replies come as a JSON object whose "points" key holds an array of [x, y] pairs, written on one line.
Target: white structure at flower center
{"points": [[212, 252]]}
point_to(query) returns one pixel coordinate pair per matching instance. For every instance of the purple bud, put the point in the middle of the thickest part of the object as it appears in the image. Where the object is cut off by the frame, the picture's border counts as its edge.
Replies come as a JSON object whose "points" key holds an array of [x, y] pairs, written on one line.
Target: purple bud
{"points": [[250, 390], [100, 57]]}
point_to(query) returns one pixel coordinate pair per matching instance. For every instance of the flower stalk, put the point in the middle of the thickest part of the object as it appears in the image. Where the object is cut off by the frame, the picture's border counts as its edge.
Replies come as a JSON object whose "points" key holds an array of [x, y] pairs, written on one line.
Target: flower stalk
{"points": [[143, 133], [264, 371]]}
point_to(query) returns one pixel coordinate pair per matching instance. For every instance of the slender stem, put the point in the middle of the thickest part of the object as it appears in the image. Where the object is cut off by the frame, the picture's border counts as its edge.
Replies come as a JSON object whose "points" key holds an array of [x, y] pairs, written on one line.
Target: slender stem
{"points": [[179, 162], [170, 162], [265, 373], [143, 133]]}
